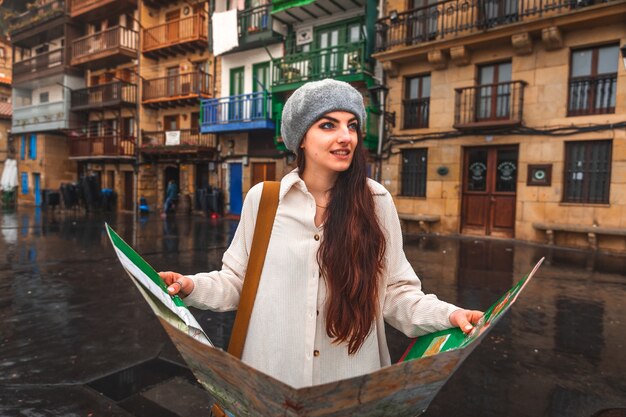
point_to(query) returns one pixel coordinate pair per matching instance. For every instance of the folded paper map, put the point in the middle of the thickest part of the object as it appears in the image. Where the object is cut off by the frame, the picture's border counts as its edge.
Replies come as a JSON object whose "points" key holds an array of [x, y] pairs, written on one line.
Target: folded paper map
{"points": [[451, 339], [154, 290], [404, 389]]}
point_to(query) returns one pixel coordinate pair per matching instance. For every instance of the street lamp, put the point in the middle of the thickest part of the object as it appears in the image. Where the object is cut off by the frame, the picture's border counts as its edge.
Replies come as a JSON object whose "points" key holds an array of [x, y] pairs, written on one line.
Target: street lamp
{"points": [[382, 90]]}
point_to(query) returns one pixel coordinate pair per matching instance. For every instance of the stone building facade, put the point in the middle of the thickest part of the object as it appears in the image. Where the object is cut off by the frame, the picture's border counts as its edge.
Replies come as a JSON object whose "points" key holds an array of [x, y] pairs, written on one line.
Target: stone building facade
{"points": [[176, 70], [5, 100], [509, 121]]}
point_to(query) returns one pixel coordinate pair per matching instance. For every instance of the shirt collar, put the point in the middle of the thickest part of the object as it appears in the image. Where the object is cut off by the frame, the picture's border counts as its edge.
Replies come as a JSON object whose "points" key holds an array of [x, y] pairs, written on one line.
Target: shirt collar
{"points": [[290, 180]]}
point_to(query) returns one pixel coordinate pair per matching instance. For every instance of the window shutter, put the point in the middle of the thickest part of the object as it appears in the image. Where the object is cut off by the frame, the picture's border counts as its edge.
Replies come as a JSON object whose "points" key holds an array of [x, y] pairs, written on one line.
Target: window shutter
{"points": [[33, 147], [24, 183]]}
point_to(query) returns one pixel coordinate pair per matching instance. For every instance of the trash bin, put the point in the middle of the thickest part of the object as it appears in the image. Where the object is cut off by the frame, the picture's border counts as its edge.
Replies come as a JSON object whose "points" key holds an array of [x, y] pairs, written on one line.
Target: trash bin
{"points": [[143, 205], [50, 198], [107, 199], [219, 208], [8, 198]]}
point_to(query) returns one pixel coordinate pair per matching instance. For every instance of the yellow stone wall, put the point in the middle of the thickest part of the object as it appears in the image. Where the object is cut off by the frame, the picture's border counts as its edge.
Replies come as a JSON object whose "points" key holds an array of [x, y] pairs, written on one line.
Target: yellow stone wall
{"points": [[52, 163], [152, 169], [545, 105], [5, 127]]}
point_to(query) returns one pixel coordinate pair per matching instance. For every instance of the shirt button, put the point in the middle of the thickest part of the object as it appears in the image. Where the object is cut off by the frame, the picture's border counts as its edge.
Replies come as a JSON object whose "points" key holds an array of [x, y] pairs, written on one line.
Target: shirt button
{"points": [[316, 237], [316, 353], [318, 312]]}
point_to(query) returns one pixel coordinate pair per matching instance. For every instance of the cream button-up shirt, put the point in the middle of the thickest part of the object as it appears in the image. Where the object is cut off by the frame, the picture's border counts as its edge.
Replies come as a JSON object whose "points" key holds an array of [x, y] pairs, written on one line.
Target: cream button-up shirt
{"points": [[287, 333]]}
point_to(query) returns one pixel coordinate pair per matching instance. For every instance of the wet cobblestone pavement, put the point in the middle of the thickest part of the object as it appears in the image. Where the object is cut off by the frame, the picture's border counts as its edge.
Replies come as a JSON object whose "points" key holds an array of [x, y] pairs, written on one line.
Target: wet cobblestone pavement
{"points": [[77, 339]]}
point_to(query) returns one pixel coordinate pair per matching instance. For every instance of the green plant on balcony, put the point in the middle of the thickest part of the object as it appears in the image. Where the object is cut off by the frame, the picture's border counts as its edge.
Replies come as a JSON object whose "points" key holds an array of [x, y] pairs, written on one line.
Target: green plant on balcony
{"points": [[354, 64], [289, 72], [21, 21]]}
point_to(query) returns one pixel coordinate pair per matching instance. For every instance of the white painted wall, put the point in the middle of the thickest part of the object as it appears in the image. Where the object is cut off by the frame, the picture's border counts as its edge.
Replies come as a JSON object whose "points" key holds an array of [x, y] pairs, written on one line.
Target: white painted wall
{"points": [[247, 59], [74, 83], [55, 93]]}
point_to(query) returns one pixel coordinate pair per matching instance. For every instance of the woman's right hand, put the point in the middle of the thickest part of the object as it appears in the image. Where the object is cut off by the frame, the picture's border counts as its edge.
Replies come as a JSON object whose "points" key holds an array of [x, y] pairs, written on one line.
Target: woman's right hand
{"points": [[177, 283]]}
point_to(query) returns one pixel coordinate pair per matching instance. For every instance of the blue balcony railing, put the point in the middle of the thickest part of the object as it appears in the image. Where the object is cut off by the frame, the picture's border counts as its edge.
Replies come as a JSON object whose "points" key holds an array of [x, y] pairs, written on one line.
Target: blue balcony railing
{"points": [[236, 113]]}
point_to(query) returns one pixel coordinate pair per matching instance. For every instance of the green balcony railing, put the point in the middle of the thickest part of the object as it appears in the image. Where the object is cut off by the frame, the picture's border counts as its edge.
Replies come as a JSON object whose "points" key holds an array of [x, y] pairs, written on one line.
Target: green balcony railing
{"points": [[333, 62], [254, 21]]}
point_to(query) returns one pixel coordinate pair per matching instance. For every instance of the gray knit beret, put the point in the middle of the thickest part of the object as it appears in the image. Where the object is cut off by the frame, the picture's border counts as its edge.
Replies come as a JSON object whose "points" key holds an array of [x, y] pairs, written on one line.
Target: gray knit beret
{"points": [[313, 100]]}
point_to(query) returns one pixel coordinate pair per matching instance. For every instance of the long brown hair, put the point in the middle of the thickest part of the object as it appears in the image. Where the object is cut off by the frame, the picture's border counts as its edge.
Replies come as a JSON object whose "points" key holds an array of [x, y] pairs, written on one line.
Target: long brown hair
{"points": [[351, 254]]}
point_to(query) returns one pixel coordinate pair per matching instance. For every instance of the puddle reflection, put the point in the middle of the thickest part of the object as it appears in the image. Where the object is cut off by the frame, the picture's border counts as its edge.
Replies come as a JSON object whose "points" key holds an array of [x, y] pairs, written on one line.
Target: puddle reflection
{"points": [[559, 352]]}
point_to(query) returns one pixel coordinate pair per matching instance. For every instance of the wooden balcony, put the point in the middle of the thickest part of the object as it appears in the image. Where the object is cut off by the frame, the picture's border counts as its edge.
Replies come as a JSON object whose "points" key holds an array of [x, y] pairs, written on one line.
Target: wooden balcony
{"points": [[343, 62], [489, 106], [105, 96], [176, 90], [103, 147], [36, 20], [180, 36], [178, 141], [97, 9], [237, 113], [39, 66], [109, 48], [453, 18]]}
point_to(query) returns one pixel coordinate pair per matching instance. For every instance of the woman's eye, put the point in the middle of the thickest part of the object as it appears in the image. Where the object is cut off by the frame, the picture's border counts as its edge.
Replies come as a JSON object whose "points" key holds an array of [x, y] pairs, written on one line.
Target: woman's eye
{"points": [[326, 125], [354, 126]]}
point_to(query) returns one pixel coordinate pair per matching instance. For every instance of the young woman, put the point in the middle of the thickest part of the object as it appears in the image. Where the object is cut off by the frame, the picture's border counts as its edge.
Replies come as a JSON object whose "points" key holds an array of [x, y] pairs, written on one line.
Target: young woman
{"points": [[335, 269]]}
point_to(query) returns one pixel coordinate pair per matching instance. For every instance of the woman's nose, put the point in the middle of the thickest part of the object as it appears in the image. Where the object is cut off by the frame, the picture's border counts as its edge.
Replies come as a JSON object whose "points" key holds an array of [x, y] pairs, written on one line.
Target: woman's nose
{"points": [[344, 134]]}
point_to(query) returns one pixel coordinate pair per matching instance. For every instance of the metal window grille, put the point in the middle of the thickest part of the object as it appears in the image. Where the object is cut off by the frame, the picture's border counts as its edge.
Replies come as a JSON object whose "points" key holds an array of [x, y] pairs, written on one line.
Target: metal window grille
{"points": [[414, 163], [587, 171]]}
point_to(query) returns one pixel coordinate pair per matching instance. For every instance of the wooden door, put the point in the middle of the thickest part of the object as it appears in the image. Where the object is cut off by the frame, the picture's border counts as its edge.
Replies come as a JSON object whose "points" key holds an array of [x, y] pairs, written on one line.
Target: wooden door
{"points": [[173, 81], [235, 188], [128, 190], [328, 41], [489, 191], [260, 86], [172, 20], [236, 90], [263, 171], [422, 21], [493, 98]]}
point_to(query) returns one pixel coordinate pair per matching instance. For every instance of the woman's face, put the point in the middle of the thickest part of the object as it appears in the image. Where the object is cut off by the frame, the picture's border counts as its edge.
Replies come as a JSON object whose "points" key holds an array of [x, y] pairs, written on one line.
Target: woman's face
{"points": [[329, 143]]}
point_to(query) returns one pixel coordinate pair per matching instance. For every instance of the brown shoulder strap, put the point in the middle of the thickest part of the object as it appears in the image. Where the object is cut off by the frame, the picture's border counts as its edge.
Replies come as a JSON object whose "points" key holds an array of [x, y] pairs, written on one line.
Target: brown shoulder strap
{"points": [[260, 242]]}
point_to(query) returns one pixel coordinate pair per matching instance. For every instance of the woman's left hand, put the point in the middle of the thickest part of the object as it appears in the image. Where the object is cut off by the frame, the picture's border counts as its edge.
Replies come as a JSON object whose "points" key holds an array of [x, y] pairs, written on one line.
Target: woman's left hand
{"points": [[465, 319]]}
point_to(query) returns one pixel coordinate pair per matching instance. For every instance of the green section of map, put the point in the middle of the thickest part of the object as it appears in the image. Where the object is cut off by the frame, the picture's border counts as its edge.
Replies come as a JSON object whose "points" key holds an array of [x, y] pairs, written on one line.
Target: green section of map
{"points": [[141, 264], [451, 339]]}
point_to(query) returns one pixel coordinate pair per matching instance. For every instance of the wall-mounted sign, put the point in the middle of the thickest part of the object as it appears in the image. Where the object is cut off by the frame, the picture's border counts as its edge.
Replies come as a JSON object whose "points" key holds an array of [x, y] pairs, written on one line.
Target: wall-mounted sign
{"points": [[539, 175], [172, 138], [304, 35]]}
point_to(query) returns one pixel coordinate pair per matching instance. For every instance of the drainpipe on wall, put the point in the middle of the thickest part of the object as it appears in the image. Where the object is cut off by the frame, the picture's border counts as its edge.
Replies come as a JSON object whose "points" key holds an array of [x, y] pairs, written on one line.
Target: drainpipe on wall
{"points": [[381, 132], [136, 164], [380, 72], [370, 26]]}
